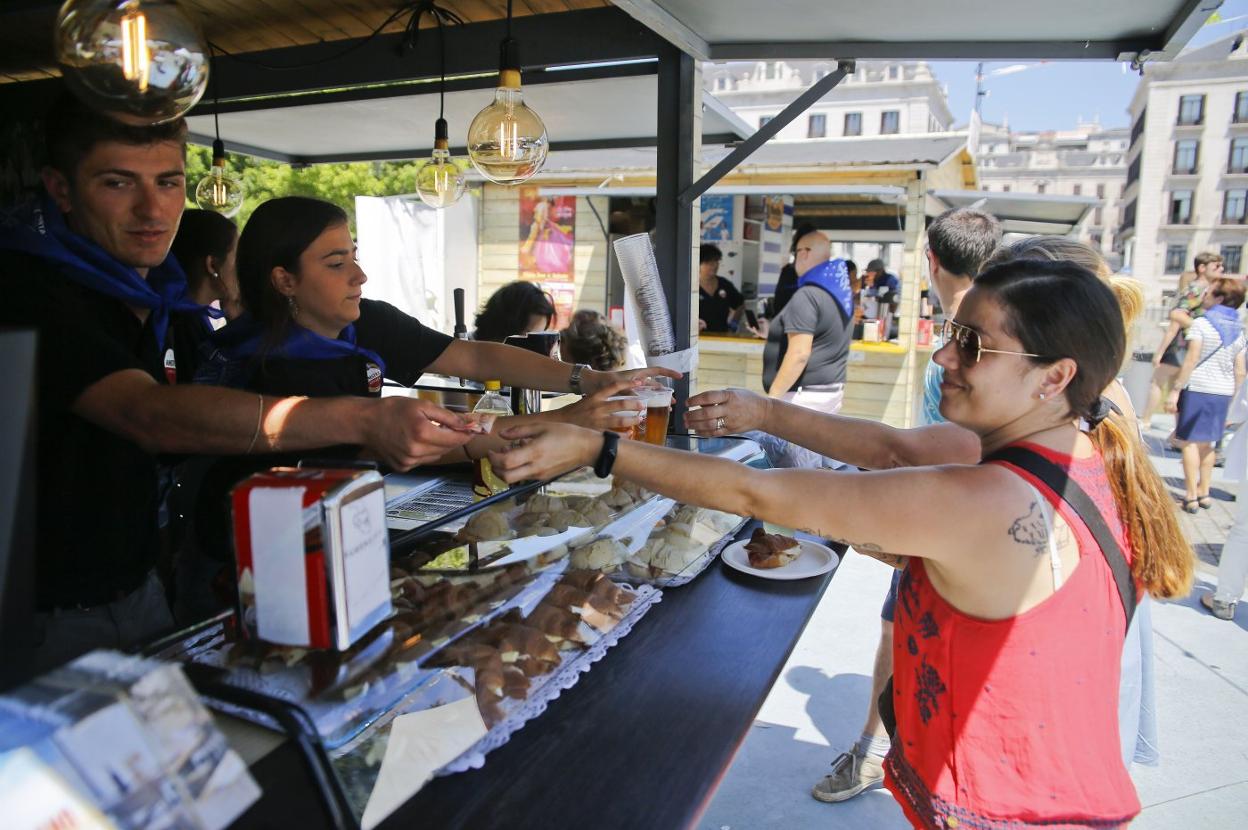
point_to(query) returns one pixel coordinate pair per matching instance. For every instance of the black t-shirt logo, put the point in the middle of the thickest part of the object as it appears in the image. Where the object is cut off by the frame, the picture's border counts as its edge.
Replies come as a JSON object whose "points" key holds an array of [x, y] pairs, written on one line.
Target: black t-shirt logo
{"points": [[374, 378], [171, 367]]}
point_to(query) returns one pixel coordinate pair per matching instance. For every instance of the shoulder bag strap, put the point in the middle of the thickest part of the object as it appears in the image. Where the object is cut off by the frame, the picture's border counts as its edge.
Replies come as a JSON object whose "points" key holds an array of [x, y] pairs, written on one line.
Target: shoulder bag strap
{"points": [[1056, 479]]}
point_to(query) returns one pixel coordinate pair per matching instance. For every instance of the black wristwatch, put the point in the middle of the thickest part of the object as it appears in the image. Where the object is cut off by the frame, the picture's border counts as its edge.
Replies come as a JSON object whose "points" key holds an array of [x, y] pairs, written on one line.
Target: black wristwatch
{"points": [[606, 456], [574, 382]]}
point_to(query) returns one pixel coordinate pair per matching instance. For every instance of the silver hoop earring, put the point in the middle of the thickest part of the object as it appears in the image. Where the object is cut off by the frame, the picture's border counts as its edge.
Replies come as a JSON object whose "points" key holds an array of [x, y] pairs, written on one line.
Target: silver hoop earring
{"points": [[216, 275], [294, 307], [1041, 396]]}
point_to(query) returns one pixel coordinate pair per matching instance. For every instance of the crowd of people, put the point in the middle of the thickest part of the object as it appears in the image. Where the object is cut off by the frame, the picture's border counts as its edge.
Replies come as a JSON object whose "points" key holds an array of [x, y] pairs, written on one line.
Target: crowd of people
{"points": [[1025, 523]]}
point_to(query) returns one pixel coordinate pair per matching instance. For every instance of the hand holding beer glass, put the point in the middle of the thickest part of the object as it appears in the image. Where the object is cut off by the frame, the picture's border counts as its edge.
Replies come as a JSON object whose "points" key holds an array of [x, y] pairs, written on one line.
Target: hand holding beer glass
{"points": [[658, 400]]}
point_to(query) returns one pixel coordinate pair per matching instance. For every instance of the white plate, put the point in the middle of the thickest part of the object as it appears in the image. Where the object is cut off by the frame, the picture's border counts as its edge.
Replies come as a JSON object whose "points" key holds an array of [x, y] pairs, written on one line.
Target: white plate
{"points": [[815, 559]]}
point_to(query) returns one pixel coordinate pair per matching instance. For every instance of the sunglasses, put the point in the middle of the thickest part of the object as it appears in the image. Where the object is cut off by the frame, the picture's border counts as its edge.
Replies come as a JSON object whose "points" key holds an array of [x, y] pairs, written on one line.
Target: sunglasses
{"points": [[966, 341]]}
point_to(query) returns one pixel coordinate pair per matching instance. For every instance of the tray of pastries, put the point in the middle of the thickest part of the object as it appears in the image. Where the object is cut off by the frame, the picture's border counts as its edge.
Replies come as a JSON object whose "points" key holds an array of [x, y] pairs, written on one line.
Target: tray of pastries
{"points": [[513, 667]]}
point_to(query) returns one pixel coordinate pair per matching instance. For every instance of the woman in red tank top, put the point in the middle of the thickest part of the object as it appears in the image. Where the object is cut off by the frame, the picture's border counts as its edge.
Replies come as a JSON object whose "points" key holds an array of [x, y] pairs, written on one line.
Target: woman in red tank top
{"points": [[1009, 625]]}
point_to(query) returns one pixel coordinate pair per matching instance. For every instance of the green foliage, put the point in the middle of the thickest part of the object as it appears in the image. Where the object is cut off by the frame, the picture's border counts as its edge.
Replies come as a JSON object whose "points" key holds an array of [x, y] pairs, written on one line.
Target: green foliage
{"points": [[336, 183]]}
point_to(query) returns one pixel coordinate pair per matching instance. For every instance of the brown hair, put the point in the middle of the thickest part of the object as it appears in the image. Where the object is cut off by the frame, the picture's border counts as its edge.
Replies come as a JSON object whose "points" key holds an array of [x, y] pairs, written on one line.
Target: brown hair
{"points": [[1128, 292], [590, 339], [71, 129], [1062, 310], [1229, 291], [1206, 258]]}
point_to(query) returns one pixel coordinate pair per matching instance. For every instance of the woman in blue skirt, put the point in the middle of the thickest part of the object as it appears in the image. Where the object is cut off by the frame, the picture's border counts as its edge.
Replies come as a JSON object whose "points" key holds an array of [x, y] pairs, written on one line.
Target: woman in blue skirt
{"points": [[1212, 370]]}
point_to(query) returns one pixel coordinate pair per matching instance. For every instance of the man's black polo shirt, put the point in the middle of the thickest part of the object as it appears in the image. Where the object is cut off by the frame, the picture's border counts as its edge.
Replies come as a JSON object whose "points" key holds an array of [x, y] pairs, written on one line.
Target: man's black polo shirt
{"points": [[97, 492]]}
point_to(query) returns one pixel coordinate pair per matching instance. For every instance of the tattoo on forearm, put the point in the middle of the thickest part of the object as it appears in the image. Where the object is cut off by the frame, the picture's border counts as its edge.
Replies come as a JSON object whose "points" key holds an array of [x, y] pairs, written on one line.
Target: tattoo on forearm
{"points": [[1031, 530]]}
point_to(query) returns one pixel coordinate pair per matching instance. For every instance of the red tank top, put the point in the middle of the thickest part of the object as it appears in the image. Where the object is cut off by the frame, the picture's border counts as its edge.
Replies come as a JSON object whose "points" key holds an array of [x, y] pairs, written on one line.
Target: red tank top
{"points": [[1014, 723]]}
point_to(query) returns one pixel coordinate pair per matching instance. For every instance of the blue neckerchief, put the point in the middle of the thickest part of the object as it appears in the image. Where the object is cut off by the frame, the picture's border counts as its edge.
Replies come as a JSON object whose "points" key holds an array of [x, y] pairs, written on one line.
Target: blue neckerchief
{"points": [[1225, 321], [833, 277], [37, 228], [242, 340]]}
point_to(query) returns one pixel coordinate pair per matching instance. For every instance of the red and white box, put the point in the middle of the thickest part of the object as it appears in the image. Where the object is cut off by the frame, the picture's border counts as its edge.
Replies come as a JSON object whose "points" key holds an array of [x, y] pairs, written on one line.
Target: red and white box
{"points": [[313, 555], [923, 332]]}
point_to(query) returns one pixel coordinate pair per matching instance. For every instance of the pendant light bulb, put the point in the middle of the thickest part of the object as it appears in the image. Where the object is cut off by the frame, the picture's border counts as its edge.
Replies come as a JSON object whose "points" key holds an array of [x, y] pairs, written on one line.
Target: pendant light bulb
{"points": [[221, 191], [440, 181], [140, 61], [507, 140]]}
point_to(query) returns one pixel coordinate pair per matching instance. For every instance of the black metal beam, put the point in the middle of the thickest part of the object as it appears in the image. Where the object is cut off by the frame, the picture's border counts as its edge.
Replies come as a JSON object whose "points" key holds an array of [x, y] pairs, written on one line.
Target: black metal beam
{"points": [[1180, 31], [587, 36], [677, 99], [419, 86], [764, 133]]}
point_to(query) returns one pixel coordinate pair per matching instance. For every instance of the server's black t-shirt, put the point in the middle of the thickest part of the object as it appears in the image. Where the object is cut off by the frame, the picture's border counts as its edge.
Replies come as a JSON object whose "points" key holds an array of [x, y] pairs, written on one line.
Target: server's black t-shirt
{"points": [[97, 495], [713, 309], [405, 344]]}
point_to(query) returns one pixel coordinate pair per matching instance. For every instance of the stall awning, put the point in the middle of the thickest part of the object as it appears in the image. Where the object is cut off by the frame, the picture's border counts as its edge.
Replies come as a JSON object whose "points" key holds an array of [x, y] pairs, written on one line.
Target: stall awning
{"points": [[1028, 213], [605, 112], [951, 29]]}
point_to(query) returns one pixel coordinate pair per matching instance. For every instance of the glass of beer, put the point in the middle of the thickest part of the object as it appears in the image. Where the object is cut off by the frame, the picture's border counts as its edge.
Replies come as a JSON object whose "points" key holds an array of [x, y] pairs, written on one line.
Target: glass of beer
{"points": [[633, 431], [658, 400]]}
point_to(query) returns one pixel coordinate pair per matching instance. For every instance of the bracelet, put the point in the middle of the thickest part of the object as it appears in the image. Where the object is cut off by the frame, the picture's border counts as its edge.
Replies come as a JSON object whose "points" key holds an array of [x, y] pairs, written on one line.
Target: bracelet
{"points": [[259, 422], [574, 382], [606, 456]]}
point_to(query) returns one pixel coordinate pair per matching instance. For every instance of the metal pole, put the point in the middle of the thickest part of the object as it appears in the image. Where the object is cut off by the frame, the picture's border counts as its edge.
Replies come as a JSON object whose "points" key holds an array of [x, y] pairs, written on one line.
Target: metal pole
{"points": [[764, 133], [677, 99]]}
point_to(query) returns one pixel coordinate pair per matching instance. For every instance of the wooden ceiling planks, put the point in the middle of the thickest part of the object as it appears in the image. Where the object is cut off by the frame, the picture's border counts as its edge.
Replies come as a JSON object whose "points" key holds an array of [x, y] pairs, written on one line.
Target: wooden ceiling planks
{"points": [[241, 26]]}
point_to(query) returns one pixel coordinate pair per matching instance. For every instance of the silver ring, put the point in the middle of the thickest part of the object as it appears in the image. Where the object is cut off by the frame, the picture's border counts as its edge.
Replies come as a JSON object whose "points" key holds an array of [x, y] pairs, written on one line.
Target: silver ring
{"points": [[719, 422]]}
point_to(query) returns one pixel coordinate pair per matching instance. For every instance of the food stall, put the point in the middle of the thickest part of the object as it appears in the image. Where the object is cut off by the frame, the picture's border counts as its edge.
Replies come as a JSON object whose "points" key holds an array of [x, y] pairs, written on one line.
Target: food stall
{"points": [[647, 732]]}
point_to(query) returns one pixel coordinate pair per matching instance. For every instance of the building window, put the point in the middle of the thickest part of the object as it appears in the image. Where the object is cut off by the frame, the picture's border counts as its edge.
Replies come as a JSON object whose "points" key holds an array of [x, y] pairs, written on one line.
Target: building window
{"points": [[1233, 204], [1238, 162], [1100, 191], [1191, 109], [1098, 217], [817, 126], [1176, 258], [1232, 255], [1180, 207], [762, 120], [890, 122], [1041, 187], [853, 123], [1185, 153], [1005, 188], [1241, 111], [1078, 191], [894, 72]]}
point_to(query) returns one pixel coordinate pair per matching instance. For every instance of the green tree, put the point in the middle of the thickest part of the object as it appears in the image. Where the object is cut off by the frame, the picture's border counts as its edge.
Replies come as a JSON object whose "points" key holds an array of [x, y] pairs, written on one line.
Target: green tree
{"points": [[336, 183]]}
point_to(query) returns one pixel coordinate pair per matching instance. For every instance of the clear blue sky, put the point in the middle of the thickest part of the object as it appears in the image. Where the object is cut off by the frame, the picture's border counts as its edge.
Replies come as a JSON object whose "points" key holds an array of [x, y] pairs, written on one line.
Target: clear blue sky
{"points": [[1053, 96]]}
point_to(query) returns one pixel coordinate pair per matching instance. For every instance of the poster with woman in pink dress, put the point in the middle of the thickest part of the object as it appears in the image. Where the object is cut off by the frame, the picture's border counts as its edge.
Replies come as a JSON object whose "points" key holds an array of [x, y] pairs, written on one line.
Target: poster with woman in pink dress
{"points": [[547, 234]]}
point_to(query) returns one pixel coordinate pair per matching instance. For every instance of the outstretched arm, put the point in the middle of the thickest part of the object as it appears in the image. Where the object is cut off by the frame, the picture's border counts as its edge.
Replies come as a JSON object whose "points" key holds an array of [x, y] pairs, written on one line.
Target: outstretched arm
{"points": [[402, 432], [480, 360], [841, 506], [857, 441]]}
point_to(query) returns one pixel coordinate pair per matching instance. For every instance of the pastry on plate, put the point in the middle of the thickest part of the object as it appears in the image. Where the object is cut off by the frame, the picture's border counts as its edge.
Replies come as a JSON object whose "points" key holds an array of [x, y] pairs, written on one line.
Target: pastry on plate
{"points": [[771, 550]]}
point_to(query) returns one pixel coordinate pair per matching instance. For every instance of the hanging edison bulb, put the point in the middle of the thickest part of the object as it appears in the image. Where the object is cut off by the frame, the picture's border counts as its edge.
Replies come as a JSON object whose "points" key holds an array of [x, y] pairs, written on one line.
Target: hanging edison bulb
{"points": [[220, 191], [141, 61], [507, 141], [440, 181]]}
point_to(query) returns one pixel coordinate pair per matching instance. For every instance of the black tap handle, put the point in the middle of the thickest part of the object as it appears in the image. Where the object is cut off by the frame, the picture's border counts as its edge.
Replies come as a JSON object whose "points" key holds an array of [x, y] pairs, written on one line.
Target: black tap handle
{"points": [[461, 331]]}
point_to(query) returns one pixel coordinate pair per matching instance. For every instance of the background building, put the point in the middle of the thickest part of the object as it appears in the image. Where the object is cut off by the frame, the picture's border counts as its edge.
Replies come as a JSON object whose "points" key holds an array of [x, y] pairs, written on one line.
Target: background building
{"points": [[1085, 161], [880, 98], [1187, 166]]}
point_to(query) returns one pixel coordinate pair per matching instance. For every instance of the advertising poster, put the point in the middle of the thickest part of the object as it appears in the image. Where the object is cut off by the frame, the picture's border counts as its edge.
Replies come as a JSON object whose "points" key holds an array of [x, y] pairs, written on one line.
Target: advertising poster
{"points": [[717, 219], [547, 236]]}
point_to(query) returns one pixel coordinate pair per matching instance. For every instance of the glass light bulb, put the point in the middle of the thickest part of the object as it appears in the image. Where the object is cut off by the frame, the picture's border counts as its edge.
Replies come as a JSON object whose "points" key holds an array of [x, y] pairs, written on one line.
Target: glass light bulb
{"points": [[507, 141], [141, 61], [440, 181], [220, 191]]}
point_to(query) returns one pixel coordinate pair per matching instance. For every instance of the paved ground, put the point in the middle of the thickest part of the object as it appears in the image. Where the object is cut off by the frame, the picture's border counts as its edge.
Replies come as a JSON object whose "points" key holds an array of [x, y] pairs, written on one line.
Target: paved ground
{"points": [[817, 707]]}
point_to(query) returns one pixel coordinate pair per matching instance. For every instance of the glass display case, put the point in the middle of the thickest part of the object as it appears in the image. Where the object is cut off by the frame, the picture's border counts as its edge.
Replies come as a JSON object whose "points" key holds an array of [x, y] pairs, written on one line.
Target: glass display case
{"points": [[505, 602]]}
